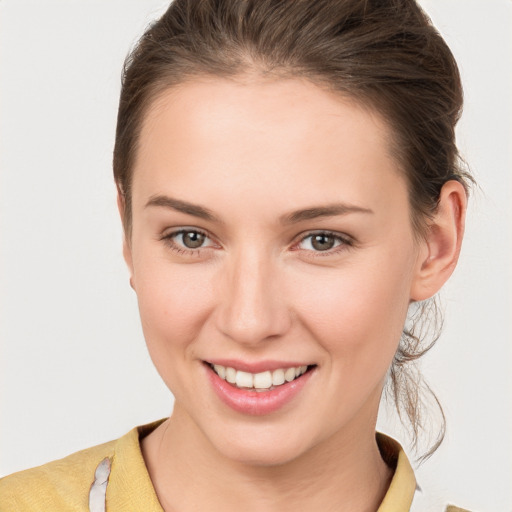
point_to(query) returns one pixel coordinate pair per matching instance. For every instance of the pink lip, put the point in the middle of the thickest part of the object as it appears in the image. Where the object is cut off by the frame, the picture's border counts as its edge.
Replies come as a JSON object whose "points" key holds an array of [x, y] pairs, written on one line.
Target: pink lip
{"points": [[254, 402], [256, 367]]}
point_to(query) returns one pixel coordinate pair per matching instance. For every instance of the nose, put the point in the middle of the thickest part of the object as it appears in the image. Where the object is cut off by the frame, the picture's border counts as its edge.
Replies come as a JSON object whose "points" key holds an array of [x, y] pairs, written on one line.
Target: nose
{"points": [[252, 304]]}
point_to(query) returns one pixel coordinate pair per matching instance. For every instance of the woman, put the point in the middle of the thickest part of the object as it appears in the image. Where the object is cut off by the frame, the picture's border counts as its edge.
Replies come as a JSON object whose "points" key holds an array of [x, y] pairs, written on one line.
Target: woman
{"points": [[289, 185]]}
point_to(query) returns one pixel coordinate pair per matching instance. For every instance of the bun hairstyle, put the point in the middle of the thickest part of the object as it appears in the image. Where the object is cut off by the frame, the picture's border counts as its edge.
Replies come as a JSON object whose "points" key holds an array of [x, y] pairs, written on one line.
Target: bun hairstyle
{"points": [[383, 54]]}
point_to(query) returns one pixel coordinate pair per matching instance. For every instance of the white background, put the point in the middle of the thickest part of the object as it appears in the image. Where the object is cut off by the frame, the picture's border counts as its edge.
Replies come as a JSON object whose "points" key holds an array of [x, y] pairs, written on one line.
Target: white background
{"points": [[73, 365]]}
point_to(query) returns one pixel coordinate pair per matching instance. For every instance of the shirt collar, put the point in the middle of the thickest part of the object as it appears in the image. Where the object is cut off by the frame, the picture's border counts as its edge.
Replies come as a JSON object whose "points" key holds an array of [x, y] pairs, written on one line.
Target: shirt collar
{"points": [[403, 484], [129, 486]]}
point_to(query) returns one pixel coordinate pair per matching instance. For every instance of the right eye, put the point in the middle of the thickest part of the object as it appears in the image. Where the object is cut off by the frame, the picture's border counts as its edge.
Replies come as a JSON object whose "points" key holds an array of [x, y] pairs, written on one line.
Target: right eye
{"points": [[324, 243], [187, 241]]}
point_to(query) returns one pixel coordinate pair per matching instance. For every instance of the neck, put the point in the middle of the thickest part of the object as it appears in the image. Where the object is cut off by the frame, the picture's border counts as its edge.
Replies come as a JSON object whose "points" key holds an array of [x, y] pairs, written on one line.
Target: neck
{"points": [[343, 473]]}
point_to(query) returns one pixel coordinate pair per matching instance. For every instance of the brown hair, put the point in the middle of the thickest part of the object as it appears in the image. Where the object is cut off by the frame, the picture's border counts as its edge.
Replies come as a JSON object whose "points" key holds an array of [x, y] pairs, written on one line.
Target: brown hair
{"points": [[383, 53]]}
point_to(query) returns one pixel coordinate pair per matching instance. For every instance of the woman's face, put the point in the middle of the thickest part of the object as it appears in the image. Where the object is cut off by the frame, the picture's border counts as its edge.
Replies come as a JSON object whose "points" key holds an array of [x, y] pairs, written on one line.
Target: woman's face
{"points": [[271, 231]]}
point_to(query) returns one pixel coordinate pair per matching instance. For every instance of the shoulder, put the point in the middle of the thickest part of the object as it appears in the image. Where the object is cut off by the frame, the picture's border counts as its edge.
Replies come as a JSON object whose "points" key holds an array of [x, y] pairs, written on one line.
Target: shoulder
{"points": [[65, 484], [60, 485], [426, 499]]}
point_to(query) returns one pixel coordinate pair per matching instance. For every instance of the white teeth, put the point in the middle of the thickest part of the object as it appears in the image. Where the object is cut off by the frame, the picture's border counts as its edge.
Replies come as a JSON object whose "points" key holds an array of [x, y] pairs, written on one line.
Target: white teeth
{"points": [[262, 380], [244, 379], [230, 375], [259, 381], [221, 371], [289, 374], [277, 377]]}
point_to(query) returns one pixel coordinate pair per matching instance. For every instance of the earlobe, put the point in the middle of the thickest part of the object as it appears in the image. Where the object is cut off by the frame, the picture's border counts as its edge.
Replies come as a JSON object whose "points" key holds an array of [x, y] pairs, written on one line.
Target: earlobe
{"points": [[442, 243], [127, 252]]}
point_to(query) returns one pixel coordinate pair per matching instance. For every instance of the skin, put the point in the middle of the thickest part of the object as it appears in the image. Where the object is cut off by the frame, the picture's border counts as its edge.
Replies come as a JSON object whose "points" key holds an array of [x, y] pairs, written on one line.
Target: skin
{"points": [[251, 151]]}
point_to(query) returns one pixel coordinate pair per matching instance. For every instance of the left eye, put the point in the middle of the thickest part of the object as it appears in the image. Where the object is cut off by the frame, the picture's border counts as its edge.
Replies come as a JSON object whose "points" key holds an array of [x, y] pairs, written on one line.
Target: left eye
{"points": [[189, 239], [321, 242]]}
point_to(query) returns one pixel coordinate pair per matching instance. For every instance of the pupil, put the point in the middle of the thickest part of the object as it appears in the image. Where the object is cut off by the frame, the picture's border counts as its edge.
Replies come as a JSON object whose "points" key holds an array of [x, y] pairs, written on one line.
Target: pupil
{"points": [[192, 239], [322, 242]]}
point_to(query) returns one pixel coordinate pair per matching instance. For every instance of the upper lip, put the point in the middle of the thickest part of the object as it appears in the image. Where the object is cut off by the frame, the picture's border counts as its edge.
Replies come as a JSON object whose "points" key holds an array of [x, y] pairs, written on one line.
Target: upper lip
{"points": [[256, 366]]}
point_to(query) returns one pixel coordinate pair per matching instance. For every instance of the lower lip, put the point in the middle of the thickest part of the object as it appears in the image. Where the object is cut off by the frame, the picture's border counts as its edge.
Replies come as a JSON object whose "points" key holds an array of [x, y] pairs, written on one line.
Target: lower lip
{"points": [[256, 403]]}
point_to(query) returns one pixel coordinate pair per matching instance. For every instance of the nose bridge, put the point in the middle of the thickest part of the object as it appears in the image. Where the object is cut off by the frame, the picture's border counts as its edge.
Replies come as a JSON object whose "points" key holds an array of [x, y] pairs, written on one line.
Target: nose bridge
{"points": [[252, 306]]}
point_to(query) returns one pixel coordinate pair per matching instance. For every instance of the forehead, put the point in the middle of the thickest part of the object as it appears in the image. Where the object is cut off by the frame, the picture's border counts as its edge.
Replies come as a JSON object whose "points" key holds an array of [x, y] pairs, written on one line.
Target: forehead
{"points": [[260, 136], [206, 107]]}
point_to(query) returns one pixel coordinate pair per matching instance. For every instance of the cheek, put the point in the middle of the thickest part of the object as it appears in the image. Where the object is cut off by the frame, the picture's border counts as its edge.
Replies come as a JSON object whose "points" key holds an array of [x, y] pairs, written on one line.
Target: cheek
{"points": [[174, 301], [357, 313]]}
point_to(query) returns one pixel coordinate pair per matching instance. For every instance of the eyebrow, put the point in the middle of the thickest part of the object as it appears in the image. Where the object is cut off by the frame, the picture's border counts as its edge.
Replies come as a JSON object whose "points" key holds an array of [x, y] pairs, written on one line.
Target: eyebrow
{"points": [[316, 212], [184, 207], [294, 217]]}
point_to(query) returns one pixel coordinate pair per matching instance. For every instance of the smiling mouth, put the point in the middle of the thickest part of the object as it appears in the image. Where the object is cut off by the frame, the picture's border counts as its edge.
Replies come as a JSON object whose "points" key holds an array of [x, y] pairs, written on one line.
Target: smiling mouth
{"points": [[260, 382]]}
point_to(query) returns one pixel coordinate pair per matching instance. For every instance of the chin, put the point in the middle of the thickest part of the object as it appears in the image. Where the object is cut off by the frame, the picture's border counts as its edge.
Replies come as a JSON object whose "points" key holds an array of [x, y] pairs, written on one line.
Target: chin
{"points": [[263, 446], [252, 454]]}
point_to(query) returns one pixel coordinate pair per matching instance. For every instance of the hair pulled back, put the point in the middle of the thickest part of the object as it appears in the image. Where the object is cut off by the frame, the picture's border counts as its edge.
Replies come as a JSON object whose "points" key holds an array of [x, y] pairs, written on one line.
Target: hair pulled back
{"points": [[384, 54]]}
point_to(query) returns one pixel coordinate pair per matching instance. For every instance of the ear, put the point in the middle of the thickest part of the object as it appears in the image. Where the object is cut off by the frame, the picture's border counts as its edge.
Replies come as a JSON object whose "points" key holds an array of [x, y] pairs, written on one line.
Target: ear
{"points": [[127, 251], [441, 248]]}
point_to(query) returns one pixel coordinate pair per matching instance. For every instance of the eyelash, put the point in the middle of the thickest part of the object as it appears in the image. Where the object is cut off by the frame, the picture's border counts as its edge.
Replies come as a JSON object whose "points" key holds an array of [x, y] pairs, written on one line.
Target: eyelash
{"points": [[344, 243], [168, 239]]}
